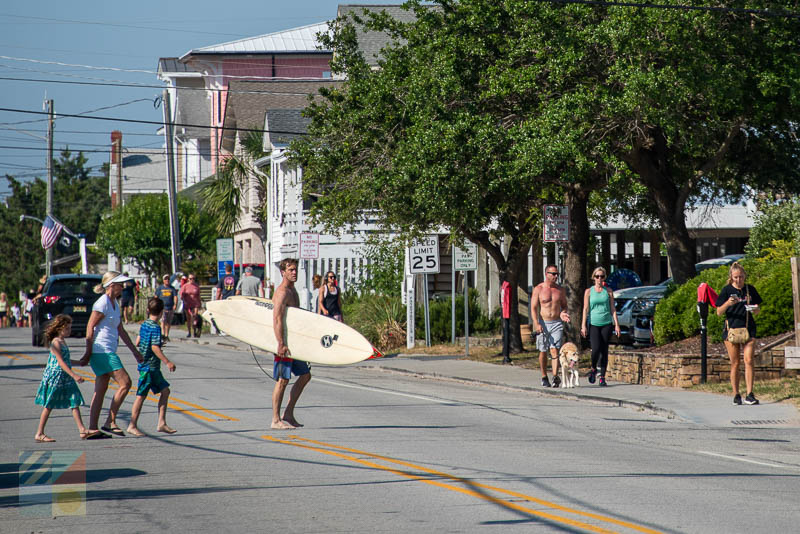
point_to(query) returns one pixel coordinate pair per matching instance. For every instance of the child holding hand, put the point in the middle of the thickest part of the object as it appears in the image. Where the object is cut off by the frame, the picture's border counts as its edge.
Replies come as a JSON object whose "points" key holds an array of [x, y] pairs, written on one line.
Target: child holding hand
{"points": [[150, 377], [58, 388]]}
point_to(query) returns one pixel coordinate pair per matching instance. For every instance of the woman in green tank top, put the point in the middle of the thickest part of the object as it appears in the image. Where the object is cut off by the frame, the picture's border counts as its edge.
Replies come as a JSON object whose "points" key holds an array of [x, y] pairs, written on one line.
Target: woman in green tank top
{"points": [[598, 306]]}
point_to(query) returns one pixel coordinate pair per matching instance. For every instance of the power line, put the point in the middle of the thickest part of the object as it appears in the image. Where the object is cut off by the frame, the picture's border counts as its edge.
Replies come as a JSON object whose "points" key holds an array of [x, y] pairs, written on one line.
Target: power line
{"points": [[162, 87], [139, 121]]}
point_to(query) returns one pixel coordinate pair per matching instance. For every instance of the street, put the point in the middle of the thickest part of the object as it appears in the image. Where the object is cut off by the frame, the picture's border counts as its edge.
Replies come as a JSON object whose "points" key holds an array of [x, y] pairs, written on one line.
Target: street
{"points": [[386, 452]]}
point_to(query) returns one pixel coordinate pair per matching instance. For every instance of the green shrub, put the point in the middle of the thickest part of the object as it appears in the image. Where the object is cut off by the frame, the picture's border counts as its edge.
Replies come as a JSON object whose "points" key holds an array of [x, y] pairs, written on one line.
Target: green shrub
{"points": [[379, 318], [441, 322], [676, 314]]}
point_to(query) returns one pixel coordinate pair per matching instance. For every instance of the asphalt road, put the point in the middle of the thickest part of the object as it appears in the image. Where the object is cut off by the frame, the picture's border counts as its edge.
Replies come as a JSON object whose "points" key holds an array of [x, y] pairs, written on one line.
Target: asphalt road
{"points": [[382, 452]]}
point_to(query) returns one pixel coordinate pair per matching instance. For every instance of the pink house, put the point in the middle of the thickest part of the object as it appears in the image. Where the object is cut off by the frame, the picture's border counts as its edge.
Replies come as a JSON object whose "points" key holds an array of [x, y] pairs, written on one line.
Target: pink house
{"points": [[199, 82]]}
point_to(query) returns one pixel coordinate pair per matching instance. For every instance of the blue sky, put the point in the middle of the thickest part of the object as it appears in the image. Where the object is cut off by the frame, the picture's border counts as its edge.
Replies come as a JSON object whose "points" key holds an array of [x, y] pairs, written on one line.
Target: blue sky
{"points": [[37, 35]]}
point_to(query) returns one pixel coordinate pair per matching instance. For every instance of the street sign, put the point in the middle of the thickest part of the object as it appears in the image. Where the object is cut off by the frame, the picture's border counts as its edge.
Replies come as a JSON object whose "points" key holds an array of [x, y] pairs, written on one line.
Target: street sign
{"points": [[309, 246], [423, 255], [465, 259], [224, 255], [556, 223]]}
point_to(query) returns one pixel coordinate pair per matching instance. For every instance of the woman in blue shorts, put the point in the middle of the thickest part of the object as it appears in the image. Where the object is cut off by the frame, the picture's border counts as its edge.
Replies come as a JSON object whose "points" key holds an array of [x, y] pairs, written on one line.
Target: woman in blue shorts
{"points": [[102, 336]]}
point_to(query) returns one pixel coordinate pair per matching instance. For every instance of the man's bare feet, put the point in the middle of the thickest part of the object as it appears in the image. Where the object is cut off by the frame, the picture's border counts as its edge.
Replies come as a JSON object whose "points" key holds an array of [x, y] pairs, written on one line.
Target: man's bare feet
{"points": [[166, 429], [292, 421], [134, 431], [282, 425]]}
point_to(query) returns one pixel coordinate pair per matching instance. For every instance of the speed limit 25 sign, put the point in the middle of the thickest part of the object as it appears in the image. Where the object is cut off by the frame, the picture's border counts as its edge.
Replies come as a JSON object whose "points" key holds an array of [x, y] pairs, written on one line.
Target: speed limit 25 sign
{"points": [[423, 256]]}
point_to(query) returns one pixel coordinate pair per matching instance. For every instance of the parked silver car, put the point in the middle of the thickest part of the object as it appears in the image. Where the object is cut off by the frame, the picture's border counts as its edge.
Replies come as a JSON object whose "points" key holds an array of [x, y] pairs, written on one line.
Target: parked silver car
{"points": [[628, 303]]}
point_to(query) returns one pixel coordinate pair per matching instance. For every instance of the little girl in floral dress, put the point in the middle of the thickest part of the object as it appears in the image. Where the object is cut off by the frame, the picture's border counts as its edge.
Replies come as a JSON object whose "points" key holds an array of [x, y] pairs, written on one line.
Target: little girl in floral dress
{"points": [[58, 388]]}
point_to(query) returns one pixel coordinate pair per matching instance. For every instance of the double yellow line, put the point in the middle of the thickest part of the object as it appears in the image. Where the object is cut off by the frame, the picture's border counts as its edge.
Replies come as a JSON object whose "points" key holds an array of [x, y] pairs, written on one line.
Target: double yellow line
{"points": [[435, 478], [14, 355], [194, 408]]}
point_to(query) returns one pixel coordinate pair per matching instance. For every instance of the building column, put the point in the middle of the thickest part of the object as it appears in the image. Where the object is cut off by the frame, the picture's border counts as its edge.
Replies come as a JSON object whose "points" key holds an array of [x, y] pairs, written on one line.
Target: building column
{"points": [[605, 251], [620, 249], [655, 257], [638, 255]]}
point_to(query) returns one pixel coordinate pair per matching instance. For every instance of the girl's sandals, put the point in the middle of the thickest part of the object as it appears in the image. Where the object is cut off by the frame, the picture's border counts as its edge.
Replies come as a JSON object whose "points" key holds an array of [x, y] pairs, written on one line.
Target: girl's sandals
{"points": [[43, 439]]}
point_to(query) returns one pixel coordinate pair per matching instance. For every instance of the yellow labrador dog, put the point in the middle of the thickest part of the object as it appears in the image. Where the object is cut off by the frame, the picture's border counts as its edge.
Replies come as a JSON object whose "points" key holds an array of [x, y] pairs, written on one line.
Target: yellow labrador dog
{"points": [[568, 357]]}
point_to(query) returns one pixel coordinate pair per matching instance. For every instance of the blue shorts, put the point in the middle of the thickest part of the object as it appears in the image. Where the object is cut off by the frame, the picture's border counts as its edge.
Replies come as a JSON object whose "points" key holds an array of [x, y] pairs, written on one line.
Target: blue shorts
{"points": [[151, 380], [104, 363], [285, 369]]}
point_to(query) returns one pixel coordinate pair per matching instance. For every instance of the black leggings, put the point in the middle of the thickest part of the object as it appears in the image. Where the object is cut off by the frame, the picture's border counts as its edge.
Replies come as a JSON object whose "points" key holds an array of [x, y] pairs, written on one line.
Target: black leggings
{"points": [[598, 338]]}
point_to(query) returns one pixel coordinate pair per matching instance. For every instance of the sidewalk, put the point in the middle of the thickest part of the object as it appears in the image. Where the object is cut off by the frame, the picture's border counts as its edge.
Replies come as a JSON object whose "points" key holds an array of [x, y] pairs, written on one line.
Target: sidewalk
{"points": [[689, 406]]}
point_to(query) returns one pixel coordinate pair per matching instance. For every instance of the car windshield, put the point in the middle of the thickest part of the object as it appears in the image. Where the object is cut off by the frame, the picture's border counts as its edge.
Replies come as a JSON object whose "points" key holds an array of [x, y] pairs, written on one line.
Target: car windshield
{"points": [[71, 288]]}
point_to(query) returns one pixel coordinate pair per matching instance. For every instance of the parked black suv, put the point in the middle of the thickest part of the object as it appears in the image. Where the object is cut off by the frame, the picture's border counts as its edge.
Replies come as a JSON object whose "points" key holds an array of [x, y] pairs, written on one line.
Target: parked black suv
{"points": [[72, 294]]}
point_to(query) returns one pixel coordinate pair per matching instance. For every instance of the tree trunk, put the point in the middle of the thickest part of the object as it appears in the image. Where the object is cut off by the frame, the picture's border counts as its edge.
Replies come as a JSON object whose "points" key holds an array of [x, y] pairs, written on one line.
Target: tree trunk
{"points": [[575, 278], [650, 163]]}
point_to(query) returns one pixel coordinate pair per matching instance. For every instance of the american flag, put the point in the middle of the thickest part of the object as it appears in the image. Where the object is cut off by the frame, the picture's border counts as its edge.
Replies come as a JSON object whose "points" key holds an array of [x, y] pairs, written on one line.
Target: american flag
{"points": [[50, 232]]}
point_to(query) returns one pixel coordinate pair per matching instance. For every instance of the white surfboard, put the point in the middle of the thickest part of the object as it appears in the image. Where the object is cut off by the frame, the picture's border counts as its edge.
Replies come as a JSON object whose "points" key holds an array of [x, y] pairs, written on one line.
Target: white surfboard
{"points": [[310, 337]]}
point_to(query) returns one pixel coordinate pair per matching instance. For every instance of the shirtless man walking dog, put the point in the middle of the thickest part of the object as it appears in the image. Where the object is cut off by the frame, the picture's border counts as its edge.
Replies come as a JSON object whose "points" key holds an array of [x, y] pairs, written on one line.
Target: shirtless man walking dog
{"points": [[549, 309]]}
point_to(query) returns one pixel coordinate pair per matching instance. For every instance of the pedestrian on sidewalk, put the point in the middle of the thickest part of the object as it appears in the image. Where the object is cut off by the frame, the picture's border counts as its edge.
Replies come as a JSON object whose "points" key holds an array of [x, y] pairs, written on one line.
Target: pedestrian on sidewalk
{"points": [[103, 333], [548, 310], [250, 285], [4, 310], [128, 299], [59, 386], [739, 302], [226, 286], [598, 307], [190, 296], [330, 298], [167, 294], [150, 376]]}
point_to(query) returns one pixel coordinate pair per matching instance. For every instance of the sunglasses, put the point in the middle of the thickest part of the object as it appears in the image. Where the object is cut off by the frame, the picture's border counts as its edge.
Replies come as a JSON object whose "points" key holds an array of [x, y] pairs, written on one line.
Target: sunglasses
{"points": [[599, 276], [555, 273]]}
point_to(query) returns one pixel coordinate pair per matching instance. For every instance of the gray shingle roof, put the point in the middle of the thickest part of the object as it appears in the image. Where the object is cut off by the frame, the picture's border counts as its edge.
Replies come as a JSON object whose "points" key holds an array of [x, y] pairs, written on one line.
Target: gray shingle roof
{"points": [[371, 43], [284, 126], [247, 110]]}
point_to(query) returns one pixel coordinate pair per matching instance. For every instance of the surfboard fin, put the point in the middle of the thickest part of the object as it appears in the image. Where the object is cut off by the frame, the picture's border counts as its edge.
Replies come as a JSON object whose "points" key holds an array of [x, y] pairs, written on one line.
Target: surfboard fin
{"points": [[375, 354]]}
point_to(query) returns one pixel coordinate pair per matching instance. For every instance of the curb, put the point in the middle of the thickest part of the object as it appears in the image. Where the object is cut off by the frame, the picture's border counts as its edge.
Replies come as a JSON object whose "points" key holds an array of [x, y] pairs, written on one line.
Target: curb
{"points": [[569, 395]]}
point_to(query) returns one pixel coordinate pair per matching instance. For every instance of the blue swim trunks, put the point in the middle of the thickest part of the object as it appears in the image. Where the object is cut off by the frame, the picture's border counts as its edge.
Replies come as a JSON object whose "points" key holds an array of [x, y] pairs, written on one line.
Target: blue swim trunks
{"points": [[151, 380], [285, 369], [104, 363]]}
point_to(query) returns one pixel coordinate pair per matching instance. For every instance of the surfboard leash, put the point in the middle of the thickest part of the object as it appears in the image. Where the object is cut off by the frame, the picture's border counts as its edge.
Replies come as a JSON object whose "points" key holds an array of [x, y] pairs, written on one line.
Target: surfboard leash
{"points": [[259, 363]]}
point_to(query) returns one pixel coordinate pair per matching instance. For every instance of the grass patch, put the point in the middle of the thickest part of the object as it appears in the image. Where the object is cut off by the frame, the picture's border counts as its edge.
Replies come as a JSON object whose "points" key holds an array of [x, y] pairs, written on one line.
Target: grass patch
{"points": [[780, 390]]}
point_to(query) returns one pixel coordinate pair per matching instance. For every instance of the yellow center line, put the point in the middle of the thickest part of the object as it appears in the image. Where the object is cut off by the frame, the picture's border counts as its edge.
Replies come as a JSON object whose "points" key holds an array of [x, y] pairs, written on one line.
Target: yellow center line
{"points": [[419, 478], [90, 377], [14, 355], [512, 493]]}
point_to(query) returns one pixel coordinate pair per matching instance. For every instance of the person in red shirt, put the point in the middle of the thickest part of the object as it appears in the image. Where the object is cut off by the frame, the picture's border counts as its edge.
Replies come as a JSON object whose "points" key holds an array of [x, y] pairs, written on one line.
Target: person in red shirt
{"points": [[190, 295]]}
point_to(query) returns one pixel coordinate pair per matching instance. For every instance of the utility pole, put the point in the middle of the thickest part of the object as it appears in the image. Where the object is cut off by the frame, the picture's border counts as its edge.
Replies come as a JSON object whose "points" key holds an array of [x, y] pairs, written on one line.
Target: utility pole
{"points": [[49, 207], [116, 135], [172, 194]]}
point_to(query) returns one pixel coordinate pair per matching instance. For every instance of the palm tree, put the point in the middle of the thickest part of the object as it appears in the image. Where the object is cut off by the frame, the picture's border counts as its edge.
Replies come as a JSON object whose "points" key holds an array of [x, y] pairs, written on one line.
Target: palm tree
{"points": [[222, 197]]}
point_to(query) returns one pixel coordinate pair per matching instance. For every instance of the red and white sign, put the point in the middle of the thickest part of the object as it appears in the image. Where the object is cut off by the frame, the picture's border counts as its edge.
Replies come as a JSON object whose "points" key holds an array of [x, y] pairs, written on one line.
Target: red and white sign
{"points": [[309, 246], [556, 223]]}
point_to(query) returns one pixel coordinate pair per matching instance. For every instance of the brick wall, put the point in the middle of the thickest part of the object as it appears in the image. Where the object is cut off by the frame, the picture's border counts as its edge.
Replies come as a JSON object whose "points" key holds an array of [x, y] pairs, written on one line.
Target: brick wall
{"points": [[684, 370]]}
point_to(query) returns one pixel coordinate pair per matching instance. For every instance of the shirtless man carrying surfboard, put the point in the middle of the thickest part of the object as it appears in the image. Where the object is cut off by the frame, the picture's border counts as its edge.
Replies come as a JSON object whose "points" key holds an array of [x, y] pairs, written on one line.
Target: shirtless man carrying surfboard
{"points": [[286, 296]]}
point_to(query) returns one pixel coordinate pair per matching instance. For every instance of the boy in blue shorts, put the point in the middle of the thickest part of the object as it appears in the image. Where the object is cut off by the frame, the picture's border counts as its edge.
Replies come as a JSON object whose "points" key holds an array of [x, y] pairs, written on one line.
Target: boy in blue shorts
{"points": [[150, 377]]}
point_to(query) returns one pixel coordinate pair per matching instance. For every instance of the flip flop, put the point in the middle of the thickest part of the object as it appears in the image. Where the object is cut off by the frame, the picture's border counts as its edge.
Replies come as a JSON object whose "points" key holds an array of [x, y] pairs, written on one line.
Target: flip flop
{"points": [[117, 431], [97, 435], [44, 439]]}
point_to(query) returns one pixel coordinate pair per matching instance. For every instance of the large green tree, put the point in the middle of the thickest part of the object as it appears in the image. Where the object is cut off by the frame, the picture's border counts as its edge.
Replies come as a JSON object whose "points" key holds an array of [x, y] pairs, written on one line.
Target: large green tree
{"points": [[79, 201], [139, 231]]}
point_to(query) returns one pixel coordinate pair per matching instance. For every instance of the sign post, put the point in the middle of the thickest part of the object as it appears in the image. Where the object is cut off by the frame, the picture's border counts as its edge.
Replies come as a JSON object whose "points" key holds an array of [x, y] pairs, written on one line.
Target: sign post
{"points": [[465, 259], [423, 258], [309, 250], [792, 354], [224, 255]]}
